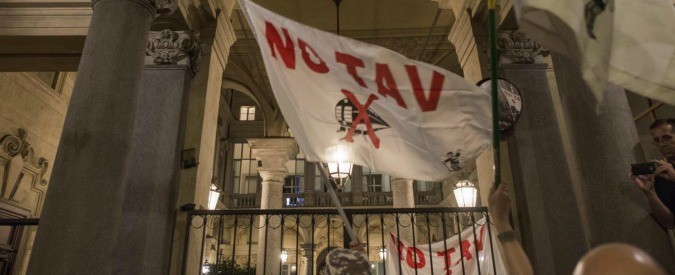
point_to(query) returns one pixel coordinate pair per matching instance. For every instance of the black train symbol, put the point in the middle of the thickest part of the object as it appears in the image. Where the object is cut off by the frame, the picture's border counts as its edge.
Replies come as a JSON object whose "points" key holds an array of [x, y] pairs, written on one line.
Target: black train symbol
{"points": [[346, 113]]}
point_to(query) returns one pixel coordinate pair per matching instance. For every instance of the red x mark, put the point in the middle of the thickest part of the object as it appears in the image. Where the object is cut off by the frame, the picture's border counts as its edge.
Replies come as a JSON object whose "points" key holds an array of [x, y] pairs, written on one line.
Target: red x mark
{"points": [[363, 115]]}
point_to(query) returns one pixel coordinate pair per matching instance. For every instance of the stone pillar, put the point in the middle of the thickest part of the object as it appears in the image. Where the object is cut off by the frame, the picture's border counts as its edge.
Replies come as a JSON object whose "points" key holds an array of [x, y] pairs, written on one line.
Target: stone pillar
{"points": [[309, 258], [603, 142], [83, 211], [403, 193], [200, 135], [310, 183], [273, 153], [541, 177], [154, 174], [357, 186]]}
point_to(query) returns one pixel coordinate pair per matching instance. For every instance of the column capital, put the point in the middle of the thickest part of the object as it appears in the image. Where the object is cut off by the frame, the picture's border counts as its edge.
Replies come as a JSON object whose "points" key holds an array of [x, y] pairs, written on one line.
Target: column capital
{"points": [[272, 176], [308, 247], [168, 47], [273, 152], [397, 180], [515, 47], [165, 6]]}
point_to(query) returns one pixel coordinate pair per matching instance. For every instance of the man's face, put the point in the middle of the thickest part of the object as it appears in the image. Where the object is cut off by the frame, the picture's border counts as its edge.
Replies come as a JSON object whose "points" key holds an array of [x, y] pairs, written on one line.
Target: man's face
{"points": [[664, 139]]}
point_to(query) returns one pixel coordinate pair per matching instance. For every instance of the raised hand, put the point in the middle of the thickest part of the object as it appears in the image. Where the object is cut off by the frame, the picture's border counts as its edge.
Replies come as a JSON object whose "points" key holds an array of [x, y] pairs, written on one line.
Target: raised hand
{"points": [[645, 183], [499, 204], [665, 170]]}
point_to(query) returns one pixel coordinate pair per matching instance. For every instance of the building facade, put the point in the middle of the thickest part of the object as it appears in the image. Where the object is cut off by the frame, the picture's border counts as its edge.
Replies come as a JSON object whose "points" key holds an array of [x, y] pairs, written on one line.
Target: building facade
{"points": [[116, 114]]}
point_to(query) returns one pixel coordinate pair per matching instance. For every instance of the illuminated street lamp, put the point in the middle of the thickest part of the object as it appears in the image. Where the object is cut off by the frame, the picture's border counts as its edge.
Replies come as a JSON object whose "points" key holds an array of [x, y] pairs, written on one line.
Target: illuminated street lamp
{"points": [[339, 165], [284, 256], [383, 253], [465, 194], [214, 194], [205, 267]]}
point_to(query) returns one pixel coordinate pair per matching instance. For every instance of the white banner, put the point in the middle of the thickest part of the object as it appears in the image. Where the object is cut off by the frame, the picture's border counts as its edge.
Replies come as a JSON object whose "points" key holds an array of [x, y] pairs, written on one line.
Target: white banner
{"points": [[395, 115], [452, 257], [627, 42]]}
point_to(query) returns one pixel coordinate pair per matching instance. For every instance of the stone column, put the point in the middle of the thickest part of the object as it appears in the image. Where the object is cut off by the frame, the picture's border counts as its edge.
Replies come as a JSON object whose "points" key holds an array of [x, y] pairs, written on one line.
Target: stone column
{"points": [[200, 135], [310, 183], [309, 258], [603, 142], [403, 193], [357, 186], [152, 187], [541, 177], [273, 153], [83, 211]]}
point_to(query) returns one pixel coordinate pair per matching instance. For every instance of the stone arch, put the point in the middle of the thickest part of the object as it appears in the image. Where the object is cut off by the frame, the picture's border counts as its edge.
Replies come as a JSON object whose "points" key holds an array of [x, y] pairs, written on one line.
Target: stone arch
{"points": [[239, 79]]}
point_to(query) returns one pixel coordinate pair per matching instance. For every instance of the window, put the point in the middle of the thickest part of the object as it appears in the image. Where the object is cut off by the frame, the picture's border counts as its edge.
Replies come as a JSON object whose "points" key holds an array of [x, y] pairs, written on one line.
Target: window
{"points": [[49, 78], [319, 185], [287, 269], [374, 181], [424, 185], [245, 175], [294, 183], [53, 80], [247, 113]]}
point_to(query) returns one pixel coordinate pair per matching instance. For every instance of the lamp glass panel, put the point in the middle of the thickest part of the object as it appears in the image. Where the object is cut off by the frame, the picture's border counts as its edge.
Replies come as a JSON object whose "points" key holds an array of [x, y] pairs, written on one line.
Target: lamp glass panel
{"points": [[213, 199], [383, 253], [284, 256], [465, 196]]}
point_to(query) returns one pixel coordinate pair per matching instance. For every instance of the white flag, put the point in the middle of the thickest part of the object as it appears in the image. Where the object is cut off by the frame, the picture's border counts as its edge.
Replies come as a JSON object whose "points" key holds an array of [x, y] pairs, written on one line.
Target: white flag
{"points": [[627, 42], [395, 115], [471, 253]]}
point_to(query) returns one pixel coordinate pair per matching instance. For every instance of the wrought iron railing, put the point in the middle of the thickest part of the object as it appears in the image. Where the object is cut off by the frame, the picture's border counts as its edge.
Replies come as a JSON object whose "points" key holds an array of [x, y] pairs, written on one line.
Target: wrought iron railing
{"points": [[246, 241], [377, 198], [243, 201], [427, 197], [320, 199], [324, 200]]}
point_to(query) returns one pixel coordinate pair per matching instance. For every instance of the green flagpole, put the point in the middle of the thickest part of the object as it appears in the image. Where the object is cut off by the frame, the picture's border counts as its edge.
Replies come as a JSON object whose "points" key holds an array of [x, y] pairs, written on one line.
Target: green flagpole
{"points": [[493, 81]]}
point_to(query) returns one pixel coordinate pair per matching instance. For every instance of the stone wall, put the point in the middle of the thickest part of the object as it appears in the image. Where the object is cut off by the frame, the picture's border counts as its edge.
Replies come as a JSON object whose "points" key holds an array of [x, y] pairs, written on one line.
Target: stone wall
{"points": [[32, 113]]}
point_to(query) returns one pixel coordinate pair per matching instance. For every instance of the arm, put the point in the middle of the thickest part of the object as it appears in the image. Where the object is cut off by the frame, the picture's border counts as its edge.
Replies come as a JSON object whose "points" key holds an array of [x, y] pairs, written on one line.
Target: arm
{"points": [[663, 215], [515, 258]]}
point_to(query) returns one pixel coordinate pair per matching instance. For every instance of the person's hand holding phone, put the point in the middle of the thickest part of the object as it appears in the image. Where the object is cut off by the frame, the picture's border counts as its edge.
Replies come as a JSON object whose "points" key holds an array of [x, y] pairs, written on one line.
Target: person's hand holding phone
{"points": [[645, 182], [665, 170]]}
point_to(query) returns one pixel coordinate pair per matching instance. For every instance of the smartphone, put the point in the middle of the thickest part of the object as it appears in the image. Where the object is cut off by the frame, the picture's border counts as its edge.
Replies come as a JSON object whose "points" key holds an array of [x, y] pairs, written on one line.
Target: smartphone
{"points": [[644, 168]]}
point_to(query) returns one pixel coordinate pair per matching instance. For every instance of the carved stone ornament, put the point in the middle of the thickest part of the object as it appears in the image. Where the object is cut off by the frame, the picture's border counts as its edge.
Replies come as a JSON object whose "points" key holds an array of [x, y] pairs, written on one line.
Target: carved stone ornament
{"points": [[518, 48], [22, 180], [165, 6], [169, 47]]}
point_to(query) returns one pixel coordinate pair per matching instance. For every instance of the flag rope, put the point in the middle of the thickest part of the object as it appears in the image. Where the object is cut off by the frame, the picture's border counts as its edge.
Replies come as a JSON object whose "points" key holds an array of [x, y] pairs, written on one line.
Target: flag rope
{"points": [[493, 81]]}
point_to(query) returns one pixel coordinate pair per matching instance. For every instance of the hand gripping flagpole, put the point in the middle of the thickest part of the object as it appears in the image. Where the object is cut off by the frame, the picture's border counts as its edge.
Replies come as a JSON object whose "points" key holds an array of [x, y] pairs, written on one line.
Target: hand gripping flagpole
{"points": [[338, 205], [495, 89]]}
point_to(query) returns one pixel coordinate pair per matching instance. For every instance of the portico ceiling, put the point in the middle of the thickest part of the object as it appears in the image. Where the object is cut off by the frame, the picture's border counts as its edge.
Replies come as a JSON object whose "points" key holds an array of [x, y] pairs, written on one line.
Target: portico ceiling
{"points": [[404, 26]]}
